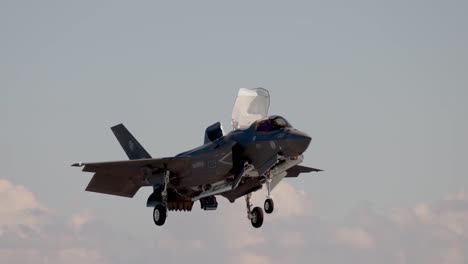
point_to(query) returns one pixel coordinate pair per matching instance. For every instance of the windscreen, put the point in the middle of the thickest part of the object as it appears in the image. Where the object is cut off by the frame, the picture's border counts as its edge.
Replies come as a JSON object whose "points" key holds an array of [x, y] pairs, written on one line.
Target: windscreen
{"points": [[251, 105]]}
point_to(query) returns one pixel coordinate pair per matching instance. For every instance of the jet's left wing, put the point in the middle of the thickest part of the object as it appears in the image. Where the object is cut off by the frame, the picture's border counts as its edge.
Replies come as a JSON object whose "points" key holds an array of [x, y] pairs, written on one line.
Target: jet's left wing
{"points": [[124, 178]]}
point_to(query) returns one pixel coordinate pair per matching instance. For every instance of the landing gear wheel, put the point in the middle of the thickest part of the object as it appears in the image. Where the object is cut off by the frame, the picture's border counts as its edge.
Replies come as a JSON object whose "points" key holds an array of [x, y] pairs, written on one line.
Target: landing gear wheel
{"points": [[269, 206], [159, 214], [257, 217]]}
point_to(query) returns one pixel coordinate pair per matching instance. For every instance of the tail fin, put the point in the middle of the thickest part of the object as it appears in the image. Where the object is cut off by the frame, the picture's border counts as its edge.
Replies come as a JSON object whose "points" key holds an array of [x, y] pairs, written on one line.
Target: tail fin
{"points": [[131, 146]]}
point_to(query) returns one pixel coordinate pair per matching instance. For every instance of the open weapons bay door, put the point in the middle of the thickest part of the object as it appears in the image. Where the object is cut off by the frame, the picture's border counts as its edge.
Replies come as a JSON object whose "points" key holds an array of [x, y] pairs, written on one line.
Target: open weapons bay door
{"points": [[251, 105]]}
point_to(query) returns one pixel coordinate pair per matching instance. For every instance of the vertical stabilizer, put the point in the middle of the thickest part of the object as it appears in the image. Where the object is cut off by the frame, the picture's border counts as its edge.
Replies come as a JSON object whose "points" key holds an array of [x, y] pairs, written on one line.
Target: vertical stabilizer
{"points": [[131, 146]]}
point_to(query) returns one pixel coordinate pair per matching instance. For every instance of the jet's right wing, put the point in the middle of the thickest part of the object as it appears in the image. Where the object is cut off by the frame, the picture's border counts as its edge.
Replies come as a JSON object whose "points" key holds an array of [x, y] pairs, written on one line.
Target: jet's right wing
{"points": [[298, 169], [124, 178]]}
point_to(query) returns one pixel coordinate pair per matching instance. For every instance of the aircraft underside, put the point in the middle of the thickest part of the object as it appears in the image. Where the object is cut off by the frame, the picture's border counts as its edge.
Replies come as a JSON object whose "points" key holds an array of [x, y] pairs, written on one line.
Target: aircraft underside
{"points": [[171, 199]]}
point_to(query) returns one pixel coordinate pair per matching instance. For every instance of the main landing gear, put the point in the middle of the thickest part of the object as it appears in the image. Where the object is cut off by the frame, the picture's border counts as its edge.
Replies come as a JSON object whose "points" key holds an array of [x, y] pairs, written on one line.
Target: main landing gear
{"points": [[160, 210], [159, 214], [255, 215]]}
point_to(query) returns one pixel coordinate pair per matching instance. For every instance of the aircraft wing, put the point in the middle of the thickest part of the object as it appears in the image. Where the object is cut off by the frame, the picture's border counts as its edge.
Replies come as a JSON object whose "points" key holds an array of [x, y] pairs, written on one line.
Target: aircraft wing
{"points": [[298, 169], [124, 178]]}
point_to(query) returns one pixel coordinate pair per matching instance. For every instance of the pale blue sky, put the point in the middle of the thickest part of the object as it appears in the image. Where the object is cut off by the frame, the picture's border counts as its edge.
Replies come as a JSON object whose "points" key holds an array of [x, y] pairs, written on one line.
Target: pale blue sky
{"points": [[382, 87]]}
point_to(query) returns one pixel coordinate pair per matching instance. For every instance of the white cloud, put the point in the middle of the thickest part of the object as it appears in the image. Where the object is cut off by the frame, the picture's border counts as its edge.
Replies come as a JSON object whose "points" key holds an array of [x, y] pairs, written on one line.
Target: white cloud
{"points": [[59, 256], [459, 196], [435, 232], [19, 207], [454, 256], [423, 212], [79, 255], [289, 201], [80, 218], [244, 240], [30, 233], [354, 237], [401, 216], [456, 221], [291, 239], [250, 258]]}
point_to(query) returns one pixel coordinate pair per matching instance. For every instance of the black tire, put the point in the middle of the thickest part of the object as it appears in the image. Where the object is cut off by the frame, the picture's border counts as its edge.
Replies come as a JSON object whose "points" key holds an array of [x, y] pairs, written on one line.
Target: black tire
{"points": [[269, 206], [159, 214], [257, 217]]}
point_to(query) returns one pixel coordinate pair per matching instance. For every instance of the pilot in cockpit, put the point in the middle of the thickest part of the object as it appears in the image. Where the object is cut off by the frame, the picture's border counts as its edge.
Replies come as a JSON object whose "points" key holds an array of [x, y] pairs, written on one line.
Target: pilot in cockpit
{"points": [[264, 126], [272, 123]]}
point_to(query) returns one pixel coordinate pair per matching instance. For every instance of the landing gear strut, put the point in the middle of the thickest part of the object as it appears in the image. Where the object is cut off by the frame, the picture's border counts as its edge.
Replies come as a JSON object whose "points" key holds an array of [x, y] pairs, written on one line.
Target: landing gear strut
{"points": [[268, 205], [160, 210], [164, 192], [255, 215]]}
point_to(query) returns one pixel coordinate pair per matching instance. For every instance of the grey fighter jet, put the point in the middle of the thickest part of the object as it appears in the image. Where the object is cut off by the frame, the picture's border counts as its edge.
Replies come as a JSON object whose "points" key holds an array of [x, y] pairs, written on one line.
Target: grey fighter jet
{"points": [[260, 150]]}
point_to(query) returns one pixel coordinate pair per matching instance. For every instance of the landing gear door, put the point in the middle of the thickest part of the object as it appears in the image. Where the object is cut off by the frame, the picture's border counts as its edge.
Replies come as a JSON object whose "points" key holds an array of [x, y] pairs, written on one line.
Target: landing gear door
{"points": [[251, 105]]}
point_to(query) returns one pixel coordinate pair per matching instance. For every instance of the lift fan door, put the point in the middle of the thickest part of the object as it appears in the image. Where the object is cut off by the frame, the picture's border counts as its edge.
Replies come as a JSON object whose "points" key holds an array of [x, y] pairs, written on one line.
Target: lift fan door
{"points": [[251, 105]]}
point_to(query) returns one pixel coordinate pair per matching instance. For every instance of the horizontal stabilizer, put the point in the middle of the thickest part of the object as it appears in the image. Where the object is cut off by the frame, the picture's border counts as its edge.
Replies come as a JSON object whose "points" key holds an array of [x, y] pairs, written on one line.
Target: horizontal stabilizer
{"points": [[124, 177], [119, 184]]}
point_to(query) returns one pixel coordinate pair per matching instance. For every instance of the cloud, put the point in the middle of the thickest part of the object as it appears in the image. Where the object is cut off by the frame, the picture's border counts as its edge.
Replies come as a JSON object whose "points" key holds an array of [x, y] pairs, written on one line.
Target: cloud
{"points": [[249, 258], [31, 233], [78, 256], [423, 212], [458, 196], [290, 202], [244, 240], [354, 237], [291, 239], [18, 207], [426, 232], [80, 218], [65, 255]]}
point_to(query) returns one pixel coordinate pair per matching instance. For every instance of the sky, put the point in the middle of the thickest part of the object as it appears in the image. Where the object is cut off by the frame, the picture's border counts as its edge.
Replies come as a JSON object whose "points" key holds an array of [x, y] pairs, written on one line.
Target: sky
{"points": [[381, 86]]}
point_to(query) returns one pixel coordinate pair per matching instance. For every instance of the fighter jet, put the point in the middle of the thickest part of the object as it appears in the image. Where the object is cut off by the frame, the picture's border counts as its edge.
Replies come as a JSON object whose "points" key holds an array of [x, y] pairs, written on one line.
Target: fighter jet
{"points": [[260, 150]]}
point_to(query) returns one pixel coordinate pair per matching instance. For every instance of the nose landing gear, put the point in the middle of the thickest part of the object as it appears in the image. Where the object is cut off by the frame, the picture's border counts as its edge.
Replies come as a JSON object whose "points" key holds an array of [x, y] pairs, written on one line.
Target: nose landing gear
{"points": [[268, 205], [160, 209]]}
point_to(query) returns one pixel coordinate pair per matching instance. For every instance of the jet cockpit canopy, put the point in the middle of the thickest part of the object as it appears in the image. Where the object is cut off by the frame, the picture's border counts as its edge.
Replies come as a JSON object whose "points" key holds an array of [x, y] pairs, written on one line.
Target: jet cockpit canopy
{"points": [[251, 105]]}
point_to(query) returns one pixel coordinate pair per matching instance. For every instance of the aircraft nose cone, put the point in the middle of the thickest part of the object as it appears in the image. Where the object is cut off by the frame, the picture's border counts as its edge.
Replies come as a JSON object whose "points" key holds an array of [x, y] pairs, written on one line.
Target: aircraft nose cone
{"points": [[299, 142]]}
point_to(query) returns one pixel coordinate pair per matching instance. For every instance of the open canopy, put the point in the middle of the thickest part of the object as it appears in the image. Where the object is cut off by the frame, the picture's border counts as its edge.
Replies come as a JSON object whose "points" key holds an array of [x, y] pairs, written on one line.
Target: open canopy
{"points": [[251, 105]]}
